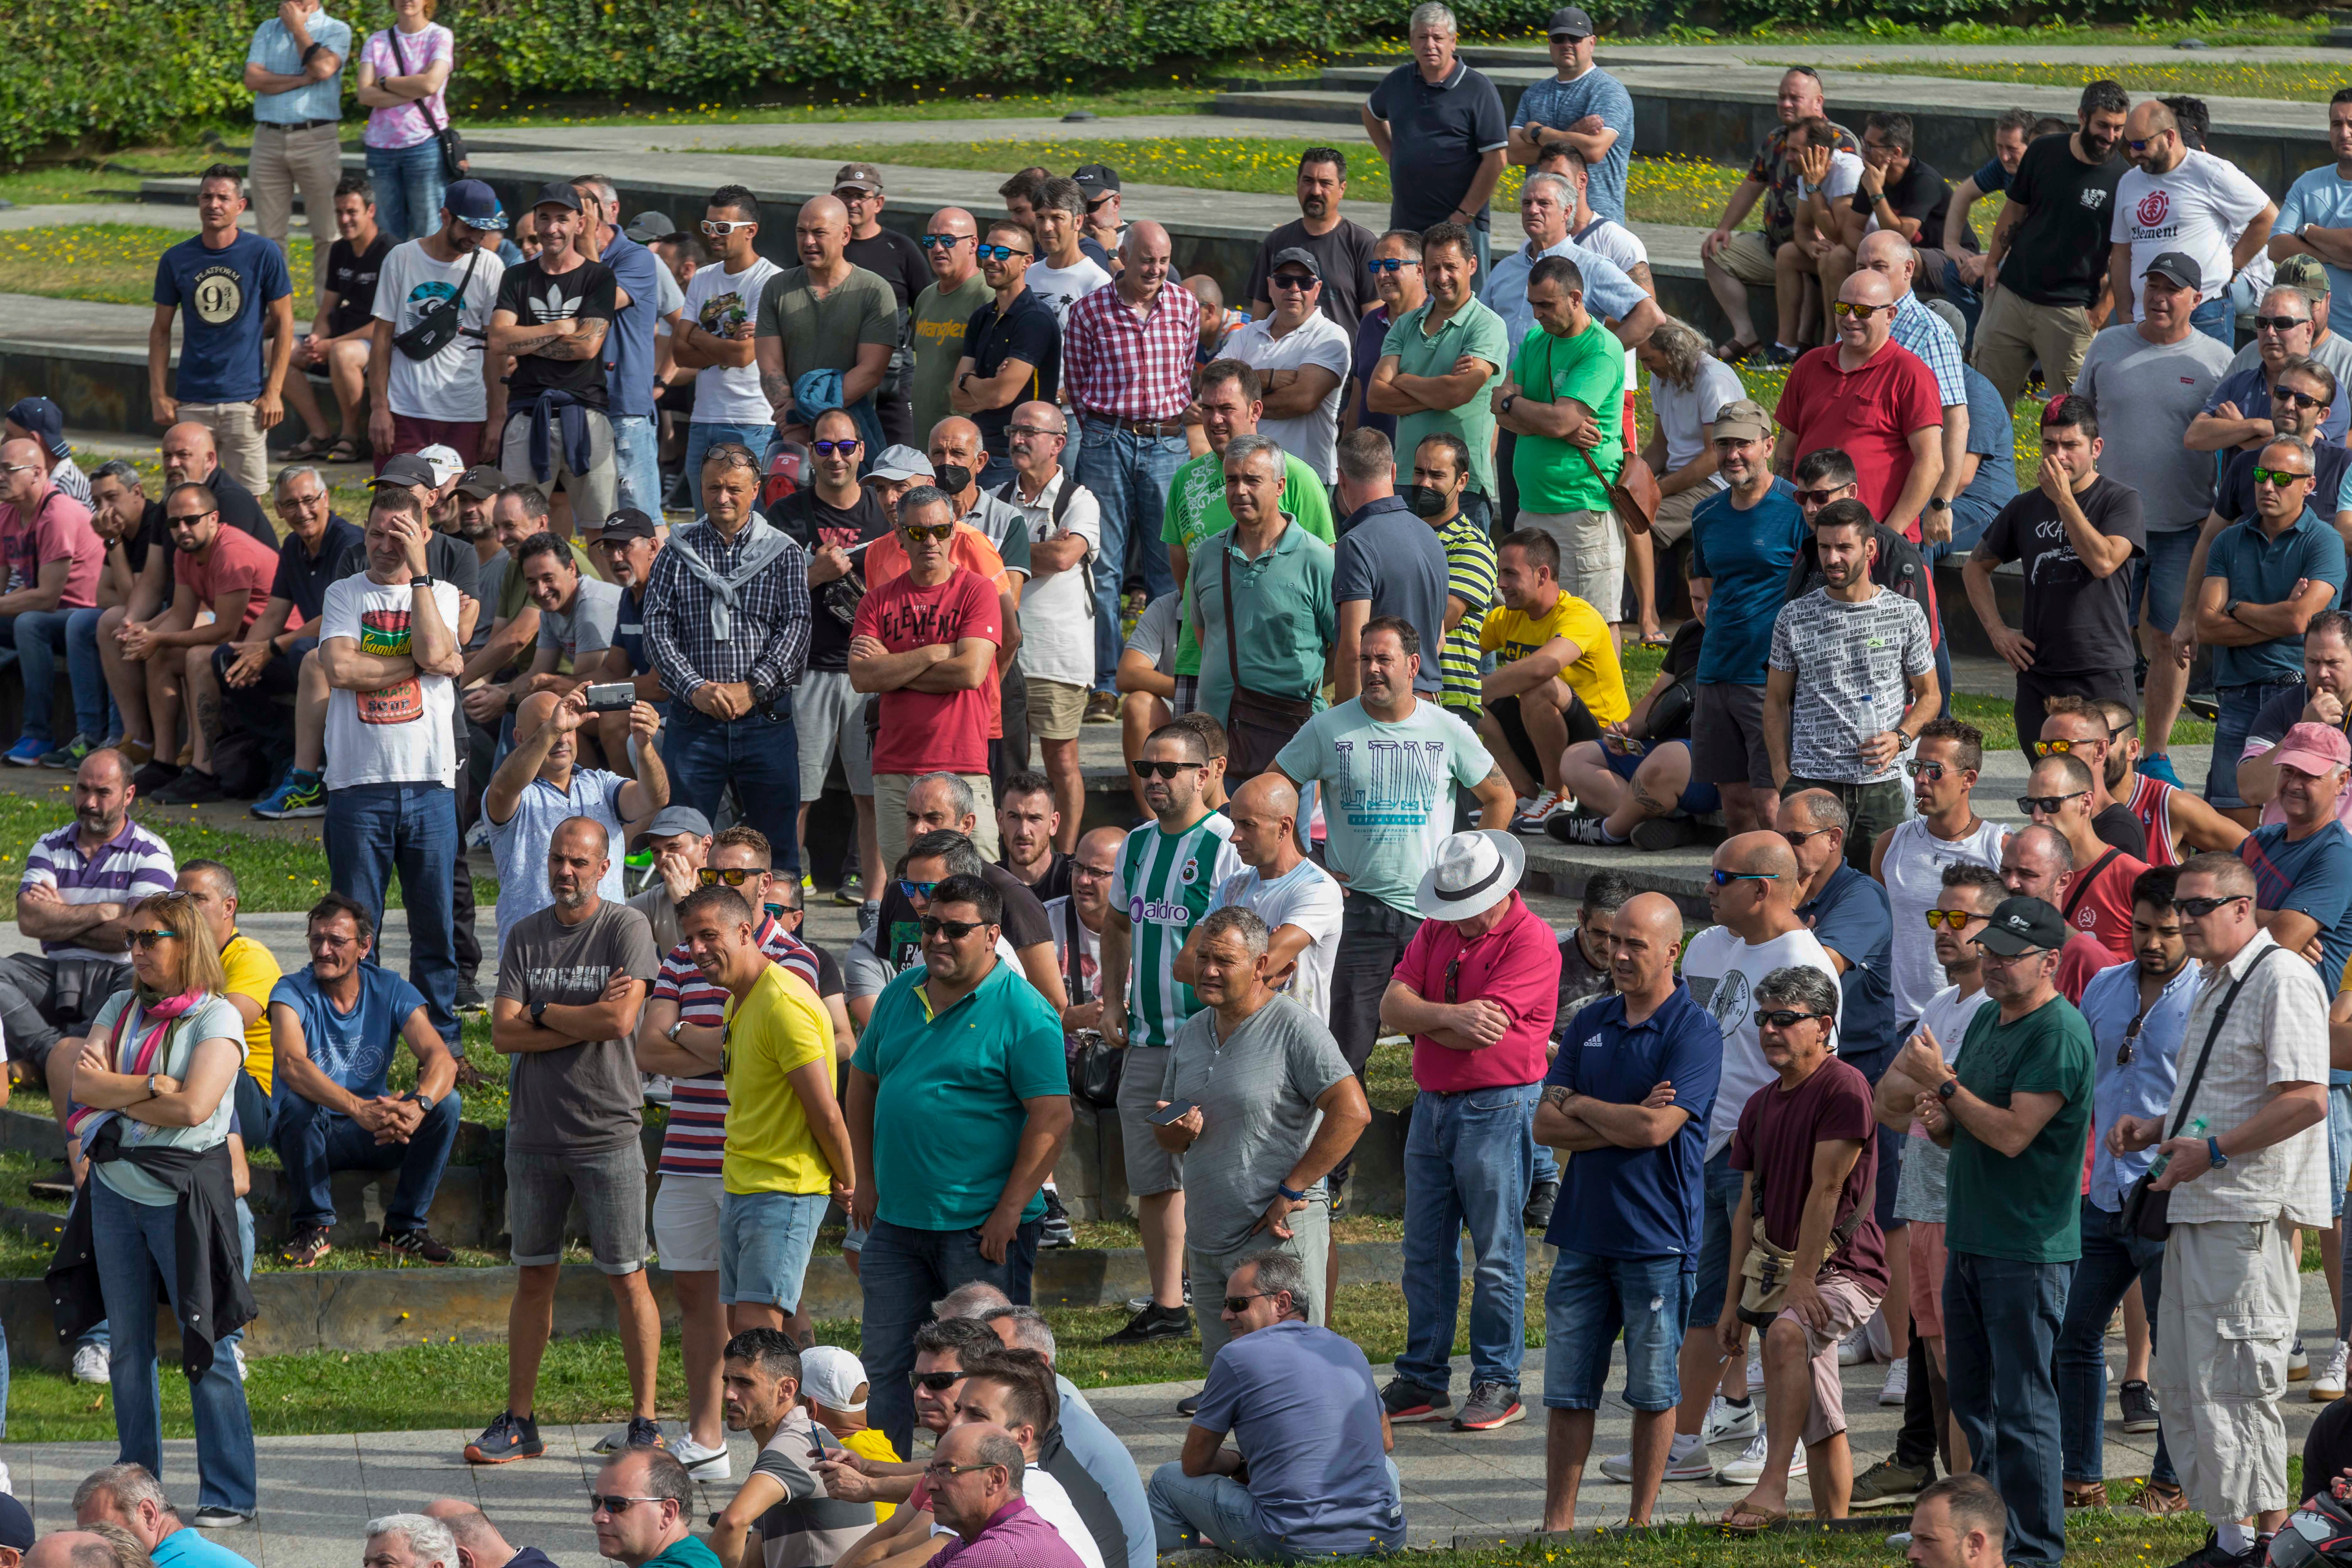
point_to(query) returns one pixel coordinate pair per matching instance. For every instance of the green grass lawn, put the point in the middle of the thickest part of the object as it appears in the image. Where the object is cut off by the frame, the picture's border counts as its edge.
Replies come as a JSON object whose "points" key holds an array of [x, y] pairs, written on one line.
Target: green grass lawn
{"points": [[2296, 81], [113, 263]]}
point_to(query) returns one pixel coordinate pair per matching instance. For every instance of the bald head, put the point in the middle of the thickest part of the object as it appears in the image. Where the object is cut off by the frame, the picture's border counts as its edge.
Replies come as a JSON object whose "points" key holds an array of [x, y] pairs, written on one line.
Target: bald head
{"points": [[1888, 252], [1762, 854], [1101, 846], [1866, 289], [71, 1548], [1039, 416], [1144, 251], [25, 451], [1267, 795], [953, 220], [1206, 289], [821, 232], [823, 209]]}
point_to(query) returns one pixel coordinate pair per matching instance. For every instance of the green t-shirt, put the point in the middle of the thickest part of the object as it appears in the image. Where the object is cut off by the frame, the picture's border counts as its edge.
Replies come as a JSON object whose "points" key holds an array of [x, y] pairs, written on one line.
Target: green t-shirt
{"points": [[1196, 510], [1164, 882], [1475, 329], [1590, 368], [826, 334], [965, 1073], [940, 320], [2027, 1209], [1388, 790], [1288, 620]]}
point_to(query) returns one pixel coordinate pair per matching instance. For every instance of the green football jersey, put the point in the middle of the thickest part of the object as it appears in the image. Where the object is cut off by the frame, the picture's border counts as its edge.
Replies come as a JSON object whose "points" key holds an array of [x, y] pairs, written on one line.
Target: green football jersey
{"points": [[1164, 883]]}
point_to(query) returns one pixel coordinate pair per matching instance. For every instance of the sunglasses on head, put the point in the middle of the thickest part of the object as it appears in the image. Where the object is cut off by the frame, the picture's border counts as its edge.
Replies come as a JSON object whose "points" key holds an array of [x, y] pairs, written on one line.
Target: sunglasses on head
{"points": [[999, 252], [1852, 311], [2280, 324], [1724, 878], [1783, 1018], [941, 532], [1390, 264], [955, 931], [1950, 920], [1821, 497], [2278, 478], [1144, 770], [2198, 909], [2047, 803], [733, 876]]}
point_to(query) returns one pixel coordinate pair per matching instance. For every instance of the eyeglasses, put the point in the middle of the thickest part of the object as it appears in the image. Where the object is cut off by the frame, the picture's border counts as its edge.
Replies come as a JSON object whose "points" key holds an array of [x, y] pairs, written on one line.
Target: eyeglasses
{"points": [[1144, 770], [1783, 1018], [2279, 479], [2296, 399], [191, 519], [946, 1471], [939, 532], [827, 448], [1101, 873], [143, 940], [1852, 311], [1931, 772], [934, 1381], [1796, 840], [999, 252], [1950, 919], [2047, 803], [1821, 497], [955, 931], [2198, 909], [600, 1502], [946, 241], [1389, 264], [2280, 324], [1293, 280], [719, 228], [2003, 960], [1724, 878], [1241, 1303], [915, 890]]}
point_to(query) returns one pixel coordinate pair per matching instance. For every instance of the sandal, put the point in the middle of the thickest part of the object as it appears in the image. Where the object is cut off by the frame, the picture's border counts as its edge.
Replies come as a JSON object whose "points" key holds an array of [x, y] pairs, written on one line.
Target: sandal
{"points": [[1760, 1519], [311, 450], [2162, 1500], [1731, 350], [2086, 1494], [344, 450]]}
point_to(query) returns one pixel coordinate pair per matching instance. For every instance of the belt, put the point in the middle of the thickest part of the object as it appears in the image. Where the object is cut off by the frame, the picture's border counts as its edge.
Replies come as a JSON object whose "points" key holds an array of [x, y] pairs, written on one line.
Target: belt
{"points": [[296, 125], [1134, 426]]}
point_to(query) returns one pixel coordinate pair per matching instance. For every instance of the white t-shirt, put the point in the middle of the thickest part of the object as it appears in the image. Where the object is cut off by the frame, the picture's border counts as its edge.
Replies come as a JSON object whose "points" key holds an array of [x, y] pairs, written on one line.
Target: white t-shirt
{"points": [[1306, 897], [1058, 610], [1063, 287], [1843, 179], [2201, 207], [1053, 1504], [1681, 416], [450, 384], [1613, 240], [717, 300], [399, 733], [1312, 438], [1722, 973], [1913, 872]]}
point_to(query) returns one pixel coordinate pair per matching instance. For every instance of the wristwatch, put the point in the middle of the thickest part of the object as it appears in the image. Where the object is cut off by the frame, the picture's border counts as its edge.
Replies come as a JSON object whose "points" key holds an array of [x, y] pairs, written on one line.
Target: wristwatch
{"points": [[153, 1092], [2214, 1153], [1505, 407], [539, 1015], [1294, 1196], [1937, 503], [1948, 1087], [418, 1098], [424, 582], [670, 1033]]}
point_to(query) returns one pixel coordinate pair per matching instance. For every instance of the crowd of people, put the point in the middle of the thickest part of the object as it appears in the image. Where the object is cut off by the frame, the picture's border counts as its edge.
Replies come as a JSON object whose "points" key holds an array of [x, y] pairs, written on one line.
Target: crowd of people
{"points": [[1926, 1089]]}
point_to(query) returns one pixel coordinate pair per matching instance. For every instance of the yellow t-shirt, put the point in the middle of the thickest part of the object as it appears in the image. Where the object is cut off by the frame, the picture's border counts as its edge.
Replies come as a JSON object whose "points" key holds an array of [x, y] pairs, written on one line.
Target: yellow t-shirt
{"points": [[779, 1029], [873, 1445], [252, 972], [1595, 676]]}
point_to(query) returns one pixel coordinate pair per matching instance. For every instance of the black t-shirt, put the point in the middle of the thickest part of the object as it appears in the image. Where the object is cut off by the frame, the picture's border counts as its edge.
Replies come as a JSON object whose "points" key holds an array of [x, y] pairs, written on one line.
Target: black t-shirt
{"points": [[585, 293], [902, 939], [2058, 254], [1027, 332], [895, 259], [2327, 1447], [2078, 624], [302, 578], [2283, 713], [1055, 882], [351, 278], [2235, 499], [1439, 135], [1923, 193], [811, 524], [2119, 829], [1340, 255]]}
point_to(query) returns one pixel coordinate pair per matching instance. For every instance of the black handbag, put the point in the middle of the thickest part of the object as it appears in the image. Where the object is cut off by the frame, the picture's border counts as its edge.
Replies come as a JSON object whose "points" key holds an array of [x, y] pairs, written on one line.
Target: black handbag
{"points": [[444, 135], [1094, 1064], [436, 327], [2146, 1212]]}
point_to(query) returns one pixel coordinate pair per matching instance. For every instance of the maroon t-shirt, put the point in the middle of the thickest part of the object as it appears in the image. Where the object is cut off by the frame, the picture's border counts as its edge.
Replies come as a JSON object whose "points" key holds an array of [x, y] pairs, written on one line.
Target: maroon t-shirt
{"points": [[1777, 1129]]}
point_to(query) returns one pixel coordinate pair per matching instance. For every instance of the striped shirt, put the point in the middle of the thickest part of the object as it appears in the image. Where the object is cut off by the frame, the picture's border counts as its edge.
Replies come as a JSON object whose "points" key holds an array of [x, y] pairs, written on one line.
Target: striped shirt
{"points": [[1469, 577], [1127, 366], [696, 1143], [1164, 885], [125, 869]]}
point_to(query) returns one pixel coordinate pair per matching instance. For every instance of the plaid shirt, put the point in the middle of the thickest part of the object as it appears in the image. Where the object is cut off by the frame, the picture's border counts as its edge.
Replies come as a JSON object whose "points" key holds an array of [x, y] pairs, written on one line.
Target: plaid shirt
{"points": [[769, 646], [1916, 328], [1115, 364]]}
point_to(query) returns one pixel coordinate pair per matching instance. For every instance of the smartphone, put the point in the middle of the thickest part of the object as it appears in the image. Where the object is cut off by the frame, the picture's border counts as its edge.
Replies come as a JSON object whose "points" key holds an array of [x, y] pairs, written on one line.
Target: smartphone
{"points": [[610, 697], [1169, 1115]]}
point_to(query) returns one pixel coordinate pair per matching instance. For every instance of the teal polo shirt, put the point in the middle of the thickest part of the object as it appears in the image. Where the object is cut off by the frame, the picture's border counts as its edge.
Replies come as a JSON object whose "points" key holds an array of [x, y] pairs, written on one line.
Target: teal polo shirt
{"points": [[1475, 329], [948, 1105], [2261, 570], [1288, 622]]}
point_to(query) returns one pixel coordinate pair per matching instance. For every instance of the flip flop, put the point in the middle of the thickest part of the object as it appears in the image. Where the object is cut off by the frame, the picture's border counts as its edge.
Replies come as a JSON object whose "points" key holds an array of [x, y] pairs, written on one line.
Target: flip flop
{"points": [[1765, 1519]]}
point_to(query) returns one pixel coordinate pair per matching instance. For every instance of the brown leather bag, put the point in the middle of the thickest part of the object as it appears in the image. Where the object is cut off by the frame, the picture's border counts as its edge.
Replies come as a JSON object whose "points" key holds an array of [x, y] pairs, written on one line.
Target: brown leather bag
{"points": [[1256, 726], [1633, 497]]}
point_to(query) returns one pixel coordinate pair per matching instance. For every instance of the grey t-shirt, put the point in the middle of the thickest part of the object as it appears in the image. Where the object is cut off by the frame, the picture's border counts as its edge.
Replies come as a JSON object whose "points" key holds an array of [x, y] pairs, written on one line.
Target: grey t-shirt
{"points": [[493, 582], [1854, 664], [1256, 1093], [1155, 634], [2144, 394], [1394, 559], [587, 628], [581, 1099]]}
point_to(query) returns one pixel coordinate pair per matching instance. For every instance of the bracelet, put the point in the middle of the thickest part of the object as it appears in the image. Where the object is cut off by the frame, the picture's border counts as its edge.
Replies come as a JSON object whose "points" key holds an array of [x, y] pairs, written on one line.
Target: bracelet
{"points": [[1294, 1196]]}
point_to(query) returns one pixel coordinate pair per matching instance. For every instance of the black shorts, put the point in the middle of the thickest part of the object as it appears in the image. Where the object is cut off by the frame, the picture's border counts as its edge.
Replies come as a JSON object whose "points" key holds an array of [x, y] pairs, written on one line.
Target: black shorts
{"points": [[1581, 726]]}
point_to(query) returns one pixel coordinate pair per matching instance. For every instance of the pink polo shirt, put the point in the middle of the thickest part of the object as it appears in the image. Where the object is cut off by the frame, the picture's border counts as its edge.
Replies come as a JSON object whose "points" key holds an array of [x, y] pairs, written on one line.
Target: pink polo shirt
{"points": [[1515, 966]]}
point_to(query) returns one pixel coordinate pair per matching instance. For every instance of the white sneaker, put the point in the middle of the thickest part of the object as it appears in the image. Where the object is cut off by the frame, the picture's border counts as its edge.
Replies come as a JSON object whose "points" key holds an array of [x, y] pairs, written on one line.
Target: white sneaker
{"points": [[703, 1464], [1879, 1337], [1900, 1540], [1726, 1422], [1756, 1369], [1748, 1469], [2298, 1361], [1854, 1349], [91, 1364], [1685, 1461], [2327, 1382], [1539, 812], [1898, 1383]]}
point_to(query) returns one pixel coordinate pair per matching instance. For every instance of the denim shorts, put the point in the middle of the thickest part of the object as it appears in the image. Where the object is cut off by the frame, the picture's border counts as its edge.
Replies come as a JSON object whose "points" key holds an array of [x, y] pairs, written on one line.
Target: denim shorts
{"points": [[1724, 1186], [1697, 798], [2161, 577], [1589, 1299], [763, 1245], [2339, 1144], [611, 1191]]}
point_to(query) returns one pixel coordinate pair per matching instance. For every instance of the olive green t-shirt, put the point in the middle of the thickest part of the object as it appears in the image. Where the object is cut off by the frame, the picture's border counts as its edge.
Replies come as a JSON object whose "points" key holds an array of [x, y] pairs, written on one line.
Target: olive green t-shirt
{"points": [[826, 334], [2027, 1208], [940, 320]]}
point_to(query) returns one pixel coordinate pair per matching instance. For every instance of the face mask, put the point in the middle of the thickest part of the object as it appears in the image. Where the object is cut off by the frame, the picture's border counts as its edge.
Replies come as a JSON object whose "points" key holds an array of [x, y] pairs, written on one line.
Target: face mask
{"points": [[1426, 500], [953, 478]]}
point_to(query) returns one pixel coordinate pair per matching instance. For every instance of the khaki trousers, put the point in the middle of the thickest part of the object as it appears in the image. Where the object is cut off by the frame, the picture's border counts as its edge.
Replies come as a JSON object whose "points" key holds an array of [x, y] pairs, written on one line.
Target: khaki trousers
{"points": [[2231, 1295], [284, 161], [2013, 332], [890, 821]]}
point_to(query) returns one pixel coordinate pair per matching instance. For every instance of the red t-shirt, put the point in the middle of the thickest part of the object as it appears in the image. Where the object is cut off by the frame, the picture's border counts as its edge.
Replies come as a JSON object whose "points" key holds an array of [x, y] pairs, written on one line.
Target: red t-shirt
{"points": [[2102, 907], [238, 561], [2081, 958], [1775, 1139], [924, 731], [1517, 967], [1868, 413], [59, 527]]}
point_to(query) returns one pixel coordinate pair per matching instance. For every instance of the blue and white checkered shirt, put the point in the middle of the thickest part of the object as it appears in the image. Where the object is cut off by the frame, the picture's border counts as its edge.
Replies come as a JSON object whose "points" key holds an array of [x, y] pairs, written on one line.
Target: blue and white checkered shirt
{"points": [[768, 644], [1917, 329], [274, 49]]}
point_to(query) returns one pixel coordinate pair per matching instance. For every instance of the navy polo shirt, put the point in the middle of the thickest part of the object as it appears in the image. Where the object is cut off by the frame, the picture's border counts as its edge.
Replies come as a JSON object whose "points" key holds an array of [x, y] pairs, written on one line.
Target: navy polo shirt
{"points": [[2260, 570], [2312, 876], [629, 631], [1437, 136], [1026, 330], [302, 578], [1852, 915], [1638, 1203]]}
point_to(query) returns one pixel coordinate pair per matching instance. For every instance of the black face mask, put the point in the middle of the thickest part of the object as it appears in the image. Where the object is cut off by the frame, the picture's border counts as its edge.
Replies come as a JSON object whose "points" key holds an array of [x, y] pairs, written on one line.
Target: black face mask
{"points": [[952, 478], [1426, 500]]}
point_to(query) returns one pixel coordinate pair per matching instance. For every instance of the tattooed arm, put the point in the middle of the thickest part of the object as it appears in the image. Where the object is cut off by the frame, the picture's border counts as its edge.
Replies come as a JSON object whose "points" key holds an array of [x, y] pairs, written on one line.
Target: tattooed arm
{"points": [[1496, 801], [584, 340]]}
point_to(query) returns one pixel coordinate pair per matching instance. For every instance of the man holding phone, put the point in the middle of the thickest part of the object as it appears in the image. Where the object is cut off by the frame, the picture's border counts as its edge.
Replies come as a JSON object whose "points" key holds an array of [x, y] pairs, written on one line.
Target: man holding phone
{"points": [[540, 784]]}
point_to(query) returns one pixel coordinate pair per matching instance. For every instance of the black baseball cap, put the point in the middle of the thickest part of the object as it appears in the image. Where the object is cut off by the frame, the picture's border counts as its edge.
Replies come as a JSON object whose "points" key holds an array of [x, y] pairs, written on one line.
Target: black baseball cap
{"points": [[627, 523], [45, 423], [1296, 256], [556, 193], [407, 468], [15, 1524], [2019, 925], [1095, 181], [2179, 268], [481, 482], [1571, 21]]}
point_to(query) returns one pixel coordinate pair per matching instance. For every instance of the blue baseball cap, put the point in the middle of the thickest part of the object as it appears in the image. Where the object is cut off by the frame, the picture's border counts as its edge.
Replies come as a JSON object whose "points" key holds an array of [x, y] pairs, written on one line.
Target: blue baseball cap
{"points": [[474, 205], [44, 422]]}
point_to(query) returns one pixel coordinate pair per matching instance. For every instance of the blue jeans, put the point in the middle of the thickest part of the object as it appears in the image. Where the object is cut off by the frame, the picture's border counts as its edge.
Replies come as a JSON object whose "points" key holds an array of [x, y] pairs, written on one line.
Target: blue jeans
{"points": [[636, 465], [136, 1249], [2236, 707], [376, 830], [2112, 1257], [759, 755], [1468, 1158], [1969, 303], [1186, 1507], [1589, 1300], [2001, 1330], [1724, 1186], [1129, 476], [700, 437], [903, 1271], [92, 696], [2216, 320], [315, 1143], [409, 184], [37, 635]]}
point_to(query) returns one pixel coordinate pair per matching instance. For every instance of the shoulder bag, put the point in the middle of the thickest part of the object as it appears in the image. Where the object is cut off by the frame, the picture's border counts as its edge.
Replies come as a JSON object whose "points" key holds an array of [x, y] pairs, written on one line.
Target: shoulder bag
{"points": [[436, 327], [2146, 1212], [1769, 1266], [444, 135], [1256, 726]]}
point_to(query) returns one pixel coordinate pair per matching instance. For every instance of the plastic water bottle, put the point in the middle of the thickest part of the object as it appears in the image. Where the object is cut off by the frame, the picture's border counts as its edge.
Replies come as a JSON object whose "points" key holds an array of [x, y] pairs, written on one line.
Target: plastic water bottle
{"points": [[2196, 1129]]}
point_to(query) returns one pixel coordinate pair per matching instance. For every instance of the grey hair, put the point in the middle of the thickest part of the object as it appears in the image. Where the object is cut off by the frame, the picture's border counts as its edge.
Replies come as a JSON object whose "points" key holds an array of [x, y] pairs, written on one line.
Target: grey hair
{"points": [[959, 792], [978, 1300], [1801, 984], [1567, 191], [1892, 241], [955, 850], [1277, 1272], [293, 471], [917, 496], [1030, 1330], [2291, 443], [116, 468], [1239, 922], [2293, 289], [999, 1448], [223, 877], [428, 1539], [1823, 809], [1683, 349], [127, 1485], [1239, 451], [1430, 13]]}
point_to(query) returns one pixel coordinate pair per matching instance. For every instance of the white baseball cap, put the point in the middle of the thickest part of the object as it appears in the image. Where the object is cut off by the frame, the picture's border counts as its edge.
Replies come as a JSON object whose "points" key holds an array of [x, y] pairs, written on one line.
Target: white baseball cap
{"points": [[833, 1377], [443, 462]]}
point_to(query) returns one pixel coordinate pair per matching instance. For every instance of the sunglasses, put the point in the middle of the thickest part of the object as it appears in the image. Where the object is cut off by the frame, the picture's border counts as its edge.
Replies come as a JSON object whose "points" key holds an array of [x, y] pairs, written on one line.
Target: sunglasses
{"points": [[955, 931], [2198, 909], [2123, 1052], [1163, 770], [1950, 919], [734, 876], [2144, 146], [2280, 324], [2296, 399], [2003, 960], [1241, 1303], [1796, 840], [1783, 1018], [1819, 498], [2058, 748], [1931, 772], [946, 1471], [1293, 280], [999, 252], [1852, 311], [1724, 878], [827, 448], [1453, 980], [934, 1381], [719, 228], [2279, 479], [916, 889], [190, 520], [600, 1502], [143, 940], [947, 241], [939, 532], [2047, 803], [1383, 264]]}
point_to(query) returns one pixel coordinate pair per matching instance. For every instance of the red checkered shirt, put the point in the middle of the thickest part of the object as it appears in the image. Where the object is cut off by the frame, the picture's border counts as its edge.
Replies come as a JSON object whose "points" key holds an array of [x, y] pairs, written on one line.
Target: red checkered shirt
{"points": [[1127, 366]]}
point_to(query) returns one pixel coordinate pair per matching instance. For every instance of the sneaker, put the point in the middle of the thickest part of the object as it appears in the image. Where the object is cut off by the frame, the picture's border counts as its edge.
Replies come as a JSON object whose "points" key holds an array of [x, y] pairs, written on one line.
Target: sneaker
{"points": [[2159, 766], [703, 1464], [1748, 1469], [92, 1364], [211, 1516], [1655, 835], [1779, 354], [2298, 1361], [1898, 1383], [2327, 1382], [154, 776], [1102, 707], [1687, 1460], [1490, 1404], [868, 913], [2212, 1554], [26, 753], [418, 1244], [1057, 1223], [476, 837], [2138, 1401], [645, 1432], [1537, 1215], [1570, 828], [506, 1439], [1756, 1372], [1887, 1481], [307, 1249], [1539, 812], [470, 995], [1408, 1402], [852, 891], [1853, 1350], [68, 757], [1728, 1422], [1189, 1405], [304, 794], [193, 787], [1154, 1322]]}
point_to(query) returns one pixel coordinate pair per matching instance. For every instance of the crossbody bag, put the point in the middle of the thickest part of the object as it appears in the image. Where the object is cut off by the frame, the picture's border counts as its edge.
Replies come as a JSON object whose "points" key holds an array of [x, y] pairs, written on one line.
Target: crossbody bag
{"points": [[2146, 1212]]}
